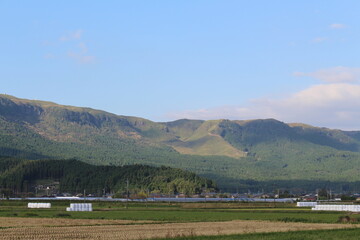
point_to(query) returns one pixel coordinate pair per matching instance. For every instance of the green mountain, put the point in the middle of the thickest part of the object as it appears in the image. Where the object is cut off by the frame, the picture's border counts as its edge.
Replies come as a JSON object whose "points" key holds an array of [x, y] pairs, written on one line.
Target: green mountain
{"points": [[18, 175], [236, 154]]}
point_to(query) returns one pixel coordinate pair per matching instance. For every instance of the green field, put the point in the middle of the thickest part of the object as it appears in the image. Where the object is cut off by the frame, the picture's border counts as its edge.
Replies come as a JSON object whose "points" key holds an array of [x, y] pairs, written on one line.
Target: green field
{"points": [[168, 215], [177, 212]]}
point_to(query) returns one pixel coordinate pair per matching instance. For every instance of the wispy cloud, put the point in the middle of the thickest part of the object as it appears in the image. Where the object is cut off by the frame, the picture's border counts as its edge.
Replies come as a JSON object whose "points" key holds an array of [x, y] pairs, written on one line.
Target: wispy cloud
{"points": [[337, 26], [334, 104], [333, 75], [326, 105], [75, 35], [49, 56], [83, 47], [76, 48], [81, 56], [319, 39]]}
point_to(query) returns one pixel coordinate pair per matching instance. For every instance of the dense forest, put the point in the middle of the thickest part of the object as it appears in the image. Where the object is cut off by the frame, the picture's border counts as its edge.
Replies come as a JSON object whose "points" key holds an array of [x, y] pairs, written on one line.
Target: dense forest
{"points": [[74, 176], [255, 154]]}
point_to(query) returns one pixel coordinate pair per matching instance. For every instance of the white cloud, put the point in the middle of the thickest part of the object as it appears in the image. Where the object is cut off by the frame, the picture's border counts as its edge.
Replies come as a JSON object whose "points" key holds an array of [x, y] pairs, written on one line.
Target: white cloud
{"points": [[319, 39], [76, 48], [76, 35], [49, 56], [335, 105], [333, 75], [326, 95], [81, 57], [337, 26], [83, 47]]}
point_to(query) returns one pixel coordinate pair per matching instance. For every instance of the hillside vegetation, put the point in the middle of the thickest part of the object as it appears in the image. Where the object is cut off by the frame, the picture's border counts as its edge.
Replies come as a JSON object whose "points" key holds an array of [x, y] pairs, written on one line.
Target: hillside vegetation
{"points": [[18, 175], [236, 154]]}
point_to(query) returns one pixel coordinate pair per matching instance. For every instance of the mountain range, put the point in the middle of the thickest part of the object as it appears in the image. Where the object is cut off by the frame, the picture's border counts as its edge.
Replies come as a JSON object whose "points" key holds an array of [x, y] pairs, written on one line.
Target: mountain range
{"points": [[236, 154]]}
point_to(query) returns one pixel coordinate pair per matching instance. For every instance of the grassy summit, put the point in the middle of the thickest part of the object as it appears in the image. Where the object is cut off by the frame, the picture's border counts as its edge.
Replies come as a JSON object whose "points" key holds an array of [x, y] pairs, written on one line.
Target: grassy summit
{"points": [[230, 152]]}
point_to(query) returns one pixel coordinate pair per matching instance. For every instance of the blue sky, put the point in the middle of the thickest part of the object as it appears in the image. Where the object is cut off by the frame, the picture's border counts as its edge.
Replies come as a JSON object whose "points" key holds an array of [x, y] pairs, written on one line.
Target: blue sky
{"points": [[296, 61]]}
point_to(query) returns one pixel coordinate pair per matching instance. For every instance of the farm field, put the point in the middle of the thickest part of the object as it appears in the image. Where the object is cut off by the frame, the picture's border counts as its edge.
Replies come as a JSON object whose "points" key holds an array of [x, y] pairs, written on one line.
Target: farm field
{"points": [[103, 229], [175, 212], [334, 234], [111, 220]]}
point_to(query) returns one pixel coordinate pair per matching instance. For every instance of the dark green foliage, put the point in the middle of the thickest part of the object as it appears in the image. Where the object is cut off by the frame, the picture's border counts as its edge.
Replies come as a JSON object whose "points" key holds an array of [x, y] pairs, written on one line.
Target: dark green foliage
{"points": [[256, 132], [61, 215], [31, 215], [74, 176], [257, 152]]}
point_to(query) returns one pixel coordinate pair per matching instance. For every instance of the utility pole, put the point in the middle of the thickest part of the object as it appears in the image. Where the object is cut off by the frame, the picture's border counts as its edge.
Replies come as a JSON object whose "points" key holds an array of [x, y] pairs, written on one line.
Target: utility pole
{"points": [[274, 200], [237, 193], [206, 187], [317, 195], [275, 196], [330, 195], [170, 192], [127, 193], [327, 195]]}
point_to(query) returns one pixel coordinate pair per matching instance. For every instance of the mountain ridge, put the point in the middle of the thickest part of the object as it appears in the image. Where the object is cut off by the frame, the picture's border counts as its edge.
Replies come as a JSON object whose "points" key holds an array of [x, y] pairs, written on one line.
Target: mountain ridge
{"points": [[260, 149]]}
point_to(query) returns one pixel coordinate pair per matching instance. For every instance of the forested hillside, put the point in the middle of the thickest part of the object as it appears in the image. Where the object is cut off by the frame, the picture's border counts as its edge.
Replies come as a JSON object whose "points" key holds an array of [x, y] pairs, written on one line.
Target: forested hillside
{"points": [[233, 153], [74, 176]]}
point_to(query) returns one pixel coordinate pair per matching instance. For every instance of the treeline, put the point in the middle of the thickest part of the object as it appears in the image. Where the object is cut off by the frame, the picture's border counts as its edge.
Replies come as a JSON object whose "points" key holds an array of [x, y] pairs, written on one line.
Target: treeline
{"points": [[75, 176], [292, 186]]}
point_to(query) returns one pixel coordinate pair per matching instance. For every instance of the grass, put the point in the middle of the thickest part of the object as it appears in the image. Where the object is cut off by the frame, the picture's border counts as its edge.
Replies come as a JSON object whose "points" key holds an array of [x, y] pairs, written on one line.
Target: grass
{"points": [[181, 219], [173, 213], [337, 234]]}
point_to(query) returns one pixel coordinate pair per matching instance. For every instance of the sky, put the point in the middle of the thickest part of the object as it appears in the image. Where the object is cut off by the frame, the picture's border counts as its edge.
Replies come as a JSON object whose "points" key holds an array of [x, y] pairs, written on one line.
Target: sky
{"points": [[295, 61]]}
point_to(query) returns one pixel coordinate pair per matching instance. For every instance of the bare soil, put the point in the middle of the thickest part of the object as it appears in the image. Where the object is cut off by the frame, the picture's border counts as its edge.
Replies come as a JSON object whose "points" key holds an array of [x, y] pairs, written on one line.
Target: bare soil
{"points": [[57, 228]]}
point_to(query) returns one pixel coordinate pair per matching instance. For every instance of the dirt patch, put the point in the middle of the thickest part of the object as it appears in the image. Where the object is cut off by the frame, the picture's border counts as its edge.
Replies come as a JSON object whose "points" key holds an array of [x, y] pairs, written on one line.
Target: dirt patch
{"points": [[15, 222], [102, 229]]}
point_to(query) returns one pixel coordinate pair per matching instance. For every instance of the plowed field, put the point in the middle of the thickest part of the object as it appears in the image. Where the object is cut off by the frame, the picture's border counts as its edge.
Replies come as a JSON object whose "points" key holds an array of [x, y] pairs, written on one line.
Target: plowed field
{"points": [[41, 228]]}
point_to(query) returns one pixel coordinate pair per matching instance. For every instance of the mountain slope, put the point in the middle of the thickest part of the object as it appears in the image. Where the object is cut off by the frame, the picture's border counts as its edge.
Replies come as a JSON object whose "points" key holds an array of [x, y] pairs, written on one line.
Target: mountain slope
{"points": [[205, 140], [227, 151], [20, 175]]}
